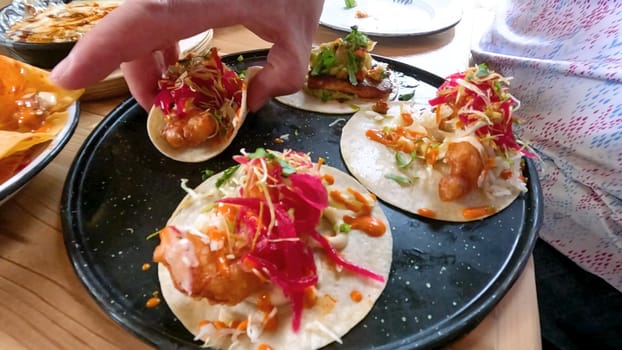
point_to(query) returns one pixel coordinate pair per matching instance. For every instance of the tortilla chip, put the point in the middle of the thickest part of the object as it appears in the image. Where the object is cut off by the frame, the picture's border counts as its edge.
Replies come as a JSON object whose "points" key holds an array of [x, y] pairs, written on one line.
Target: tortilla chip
{"points": [[17, 81]]}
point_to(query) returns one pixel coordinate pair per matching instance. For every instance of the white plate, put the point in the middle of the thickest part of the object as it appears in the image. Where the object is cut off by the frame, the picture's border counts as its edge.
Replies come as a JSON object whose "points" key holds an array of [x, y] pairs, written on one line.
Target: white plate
{"points": [[389, 18]]}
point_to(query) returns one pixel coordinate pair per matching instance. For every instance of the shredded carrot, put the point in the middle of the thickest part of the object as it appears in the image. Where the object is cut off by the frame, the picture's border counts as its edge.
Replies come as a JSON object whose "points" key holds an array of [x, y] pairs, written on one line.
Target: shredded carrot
{"points": [[506, 174], [320, 162], [431, 156], [407, 119], [219, 325], [242, 325]]}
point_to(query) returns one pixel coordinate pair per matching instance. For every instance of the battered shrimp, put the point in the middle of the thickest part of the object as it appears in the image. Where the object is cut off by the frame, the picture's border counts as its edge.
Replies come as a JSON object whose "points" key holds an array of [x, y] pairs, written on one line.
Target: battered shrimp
{"points": [[190, 131], [465, 165], [201, 269]]}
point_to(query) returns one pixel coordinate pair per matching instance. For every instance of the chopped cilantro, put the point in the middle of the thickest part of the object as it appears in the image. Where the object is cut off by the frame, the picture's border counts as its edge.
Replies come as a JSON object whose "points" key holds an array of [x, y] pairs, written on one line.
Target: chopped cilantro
{"points": [[286, 169], [403, 159], [402, 180], [260, 152], [206, 174], [353, 68], [345, 228], [356, 39], [482, 70], [325, 60], [406, 97], [226, 175], [350, 4]]}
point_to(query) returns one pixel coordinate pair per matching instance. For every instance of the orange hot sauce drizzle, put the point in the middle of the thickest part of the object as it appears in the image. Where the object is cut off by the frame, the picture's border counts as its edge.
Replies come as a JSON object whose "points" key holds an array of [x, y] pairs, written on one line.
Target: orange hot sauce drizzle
{"points": [[153, 302], [476, 212], [428, 213], [363, 221], [356, 296]]}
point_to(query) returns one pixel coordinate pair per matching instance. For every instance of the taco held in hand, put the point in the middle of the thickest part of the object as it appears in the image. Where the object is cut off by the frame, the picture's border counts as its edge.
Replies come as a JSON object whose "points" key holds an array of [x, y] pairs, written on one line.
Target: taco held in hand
{"points": [[199, 109], [458, 161], [276, 250]]}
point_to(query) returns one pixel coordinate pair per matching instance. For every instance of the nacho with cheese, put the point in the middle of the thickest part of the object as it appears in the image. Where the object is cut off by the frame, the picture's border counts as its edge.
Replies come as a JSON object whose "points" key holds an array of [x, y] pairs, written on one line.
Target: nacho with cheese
{"points": [[33, 111]]}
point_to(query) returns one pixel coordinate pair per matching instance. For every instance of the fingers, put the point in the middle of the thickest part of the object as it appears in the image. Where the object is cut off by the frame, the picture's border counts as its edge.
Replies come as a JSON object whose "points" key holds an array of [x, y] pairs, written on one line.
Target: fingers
{"points": [[142, 75], [283, 74], [133, 31]]}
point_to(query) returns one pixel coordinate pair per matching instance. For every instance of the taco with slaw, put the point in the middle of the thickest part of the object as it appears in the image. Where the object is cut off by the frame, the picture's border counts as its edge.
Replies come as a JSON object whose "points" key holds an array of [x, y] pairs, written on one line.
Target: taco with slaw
{"points": [[342, 77], [33, 111], [276, 251], [456, 161], [199, 109]]}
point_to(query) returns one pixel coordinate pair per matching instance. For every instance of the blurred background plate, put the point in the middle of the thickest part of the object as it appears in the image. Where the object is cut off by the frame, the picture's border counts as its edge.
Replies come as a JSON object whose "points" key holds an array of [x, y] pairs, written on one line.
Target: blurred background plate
{"points": [[444, 279], [47, 152], [392, 18]]}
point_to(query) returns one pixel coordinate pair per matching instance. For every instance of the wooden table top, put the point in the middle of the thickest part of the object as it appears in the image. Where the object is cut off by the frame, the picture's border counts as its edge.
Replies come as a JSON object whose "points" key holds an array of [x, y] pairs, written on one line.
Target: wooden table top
{"points": [[43, 304]]}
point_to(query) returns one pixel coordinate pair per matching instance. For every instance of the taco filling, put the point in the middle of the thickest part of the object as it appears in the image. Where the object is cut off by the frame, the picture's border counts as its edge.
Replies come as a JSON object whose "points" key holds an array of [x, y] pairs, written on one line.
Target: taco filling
{"points": [[459, 160], [342, 73], [271, 250], [199, 109], [200, 98]]}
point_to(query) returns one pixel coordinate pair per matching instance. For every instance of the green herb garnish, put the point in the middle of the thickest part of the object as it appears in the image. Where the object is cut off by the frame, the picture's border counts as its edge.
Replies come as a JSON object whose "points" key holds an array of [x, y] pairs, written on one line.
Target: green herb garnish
{"points": [[226, 175], [152, 235], [286, 169], [402, 180], [206, 174], [404, 159], [325, 60], [482, 70], [406, 97], [345, 228], [240, 58], [350, 4]]}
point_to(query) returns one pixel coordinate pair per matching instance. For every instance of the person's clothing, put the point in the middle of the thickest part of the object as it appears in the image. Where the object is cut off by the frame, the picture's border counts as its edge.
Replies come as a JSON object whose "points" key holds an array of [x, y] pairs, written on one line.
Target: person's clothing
{"points": [[565, 58], [577, 309]]}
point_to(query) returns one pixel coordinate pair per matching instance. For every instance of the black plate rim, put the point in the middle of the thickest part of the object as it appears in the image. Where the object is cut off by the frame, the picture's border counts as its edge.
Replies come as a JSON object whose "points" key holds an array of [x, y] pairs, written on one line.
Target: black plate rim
{"points": [[464, 320]]}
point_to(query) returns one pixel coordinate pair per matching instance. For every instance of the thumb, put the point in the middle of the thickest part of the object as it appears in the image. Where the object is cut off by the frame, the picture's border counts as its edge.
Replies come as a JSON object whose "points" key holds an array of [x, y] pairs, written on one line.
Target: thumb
{"points": [[284, 73]]}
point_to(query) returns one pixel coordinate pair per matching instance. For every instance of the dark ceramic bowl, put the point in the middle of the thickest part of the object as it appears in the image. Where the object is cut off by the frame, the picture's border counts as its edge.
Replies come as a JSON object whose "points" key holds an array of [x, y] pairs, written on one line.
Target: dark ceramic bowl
{"points": [[43, 55]]}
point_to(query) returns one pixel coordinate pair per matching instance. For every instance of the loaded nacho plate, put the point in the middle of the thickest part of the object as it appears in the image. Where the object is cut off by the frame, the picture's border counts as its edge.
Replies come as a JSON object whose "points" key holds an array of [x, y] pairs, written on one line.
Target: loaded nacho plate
{"points": [[444, 277]]}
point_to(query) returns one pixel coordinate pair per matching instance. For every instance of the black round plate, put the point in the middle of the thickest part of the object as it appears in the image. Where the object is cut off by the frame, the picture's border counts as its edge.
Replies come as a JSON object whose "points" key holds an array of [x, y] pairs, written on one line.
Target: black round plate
{"points": [[444, 279]]}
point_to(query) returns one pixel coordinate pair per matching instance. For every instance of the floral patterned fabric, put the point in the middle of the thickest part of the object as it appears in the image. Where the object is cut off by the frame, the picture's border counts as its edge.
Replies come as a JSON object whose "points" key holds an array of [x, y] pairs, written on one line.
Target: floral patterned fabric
{"points": [[565, 58]]}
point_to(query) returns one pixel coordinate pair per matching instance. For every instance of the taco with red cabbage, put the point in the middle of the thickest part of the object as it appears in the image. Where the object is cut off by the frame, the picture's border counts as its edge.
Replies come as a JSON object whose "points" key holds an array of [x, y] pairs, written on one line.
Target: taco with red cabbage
{"points": [[199, 109], [456, 161], [276, 250], [342, 77]]}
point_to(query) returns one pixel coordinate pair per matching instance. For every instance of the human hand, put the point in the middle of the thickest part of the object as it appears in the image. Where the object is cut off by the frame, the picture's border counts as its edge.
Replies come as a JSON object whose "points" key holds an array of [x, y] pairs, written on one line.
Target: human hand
{"points": [[130, 35]]}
